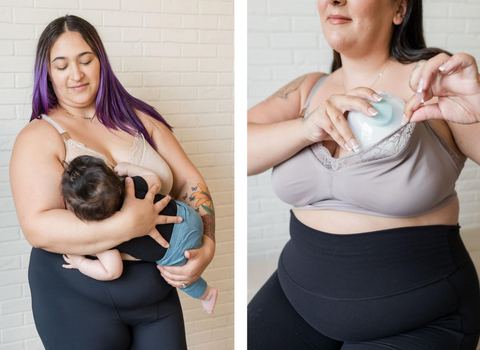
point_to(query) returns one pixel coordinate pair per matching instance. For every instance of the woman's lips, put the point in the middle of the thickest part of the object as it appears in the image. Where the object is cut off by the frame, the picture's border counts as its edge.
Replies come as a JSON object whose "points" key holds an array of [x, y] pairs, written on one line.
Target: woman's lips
{"points": [[79, 87], [332, 19]]}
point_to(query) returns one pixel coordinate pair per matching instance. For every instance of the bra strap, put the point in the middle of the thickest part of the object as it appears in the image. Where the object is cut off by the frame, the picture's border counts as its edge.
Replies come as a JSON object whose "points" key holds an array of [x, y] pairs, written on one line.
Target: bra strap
{"points": [[62, 132], [315, 87]]}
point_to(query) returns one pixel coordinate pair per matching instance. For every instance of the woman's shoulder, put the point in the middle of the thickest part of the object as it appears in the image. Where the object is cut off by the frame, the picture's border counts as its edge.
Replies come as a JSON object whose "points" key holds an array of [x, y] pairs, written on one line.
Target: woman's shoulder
{"points": [[39, 129], [39, 132], [152, 125], [37, 143], [286, 103], [158, 131]]}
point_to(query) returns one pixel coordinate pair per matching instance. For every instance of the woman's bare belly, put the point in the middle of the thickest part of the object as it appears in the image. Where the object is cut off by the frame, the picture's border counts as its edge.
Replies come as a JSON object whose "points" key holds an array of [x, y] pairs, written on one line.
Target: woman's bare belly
{"points": [[341, 222]]}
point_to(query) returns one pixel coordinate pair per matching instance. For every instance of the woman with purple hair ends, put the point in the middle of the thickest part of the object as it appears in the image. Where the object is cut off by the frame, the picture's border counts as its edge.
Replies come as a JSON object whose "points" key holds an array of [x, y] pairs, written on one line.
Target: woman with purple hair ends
{"points": [[80, 108]]}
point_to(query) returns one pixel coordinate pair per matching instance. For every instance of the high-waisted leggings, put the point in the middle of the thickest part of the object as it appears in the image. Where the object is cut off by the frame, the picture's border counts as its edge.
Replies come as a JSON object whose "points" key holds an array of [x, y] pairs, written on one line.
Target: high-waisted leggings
{"points": [[138, 311], [412, 288]]}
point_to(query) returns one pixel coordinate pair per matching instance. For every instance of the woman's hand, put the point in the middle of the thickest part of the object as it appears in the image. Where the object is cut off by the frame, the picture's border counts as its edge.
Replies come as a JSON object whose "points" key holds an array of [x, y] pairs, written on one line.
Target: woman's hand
{"points": [[327, 121], [456, 83], [141, 215], [198, 260]]}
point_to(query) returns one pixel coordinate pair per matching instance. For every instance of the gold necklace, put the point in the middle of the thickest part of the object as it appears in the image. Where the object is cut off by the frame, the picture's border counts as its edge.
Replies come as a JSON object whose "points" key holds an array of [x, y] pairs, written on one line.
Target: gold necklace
{"points": [[74, 116], [381, 73]]}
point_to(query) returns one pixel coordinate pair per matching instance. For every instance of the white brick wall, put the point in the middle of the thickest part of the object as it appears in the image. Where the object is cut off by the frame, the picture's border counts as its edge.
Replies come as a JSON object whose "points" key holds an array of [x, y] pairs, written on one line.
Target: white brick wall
{"points": [[285, 40], [175, 55]]}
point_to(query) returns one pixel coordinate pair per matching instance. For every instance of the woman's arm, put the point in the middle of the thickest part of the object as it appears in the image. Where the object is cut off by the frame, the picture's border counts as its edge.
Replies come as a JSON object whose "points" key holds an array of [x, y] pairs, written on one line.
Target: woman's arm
{"points": [[108, 267], [275, 131], [274, 135], [190, 188], [35, 175], [466, 138]]}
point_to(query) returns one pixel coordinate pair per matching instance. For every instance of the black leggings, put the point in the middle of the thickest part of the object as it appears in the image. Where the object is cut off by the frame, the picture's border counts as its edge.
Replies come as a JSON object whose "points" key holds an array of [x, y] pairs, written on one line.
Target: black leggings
{"points": [[411, 288], [138, 311]]}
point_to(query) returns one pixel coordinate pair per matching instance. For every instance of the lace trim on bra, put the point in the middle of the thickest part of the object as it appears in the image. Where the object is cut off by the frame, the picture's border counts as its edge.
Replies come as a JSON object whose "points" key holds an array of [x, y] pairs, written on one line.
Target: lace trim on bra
{"points": [[76, 149], [137, 150], [456, 159], [389, 146]]}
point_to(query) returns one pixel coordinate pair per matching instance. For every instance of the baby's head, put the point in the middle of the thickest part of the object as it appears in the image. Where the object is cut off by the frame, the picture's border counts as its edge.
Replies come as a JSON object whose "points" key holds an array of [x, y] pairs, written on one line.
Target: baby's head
{"points": [[91, 189]]}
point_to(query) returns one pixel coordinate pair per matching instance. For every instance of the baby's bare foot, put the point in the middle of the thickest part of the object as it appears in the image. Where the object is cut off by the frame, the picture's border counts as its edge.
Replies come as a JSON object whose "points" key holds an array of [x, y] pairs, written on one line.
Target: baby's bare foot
{"points": [[210, 299]]}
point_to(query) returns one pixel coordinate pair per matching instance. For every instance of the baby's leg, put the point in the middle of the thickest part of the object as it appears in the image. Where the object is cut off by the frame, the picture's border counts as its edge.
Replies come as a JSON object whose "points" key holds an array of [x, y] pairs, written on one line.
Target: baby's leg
{"points": [[201, 290]]}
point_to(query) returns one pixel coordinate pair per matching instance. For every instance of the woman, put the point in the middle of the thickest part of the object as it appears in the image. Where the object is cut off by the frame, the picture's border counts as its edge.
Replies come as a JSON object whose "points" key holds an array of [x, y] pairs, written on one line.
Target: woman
{"points": [[375, 259], [79, 107]]}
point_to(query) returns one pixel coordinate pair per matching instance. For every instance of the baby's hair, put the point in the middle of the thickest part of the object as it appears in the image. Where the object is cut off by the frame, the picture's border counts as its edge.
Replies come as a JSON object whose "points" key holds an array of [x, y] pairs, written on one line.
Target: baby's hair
{"points": [[92, 189]]}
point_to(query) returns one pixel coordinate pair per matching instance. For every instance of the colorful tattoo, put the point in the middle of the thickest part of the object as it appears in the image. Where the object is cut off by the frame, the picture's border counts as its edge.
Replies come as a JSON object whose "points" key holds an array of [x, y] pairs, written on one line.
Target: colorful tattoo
{"points": [[289, 88], [204, 200]]}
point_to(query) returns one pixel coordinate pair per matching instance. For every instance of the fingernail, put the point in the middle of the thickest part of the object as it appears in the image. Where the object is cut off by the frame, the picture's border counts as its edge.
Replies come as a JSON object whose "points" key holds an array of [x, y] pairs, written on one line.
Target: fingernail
{"points": [[377, 97], [404, 119], [442, 68], [354, 143], [179, 220], [347, 147], [167, 246], [420, 85], [372, 111], [128, 180]]}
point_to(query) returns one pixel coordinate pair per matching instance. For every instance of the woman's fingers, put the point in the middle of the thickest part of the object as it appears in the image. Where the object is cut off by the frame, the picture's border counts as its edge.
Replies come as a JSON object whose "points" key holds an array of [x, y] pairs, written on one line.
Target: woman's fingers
{"points": [[159, 238], [460, 60], [170, 274], [416, 111], [327, 121], [129, 188], [431, 111], [161, 204], [353, 103], [163, 219], [366, 93], [426, 72], [152, 191], [337, 127]]}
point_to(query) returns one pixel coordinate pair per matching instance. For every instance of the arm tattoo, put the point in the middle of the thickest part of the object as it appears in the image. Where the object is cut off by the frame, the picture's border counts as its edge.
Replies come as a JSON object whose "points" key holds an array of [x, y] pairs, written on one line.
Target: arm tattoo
{"points": [[289, 88], [202, 198]]}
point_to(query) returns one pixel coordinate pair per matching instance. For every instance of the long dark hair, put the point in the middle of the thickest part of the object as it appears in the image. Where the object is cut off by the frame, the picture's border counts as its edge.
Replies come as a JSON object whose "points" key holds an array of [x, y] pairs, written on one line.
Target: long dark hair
{"points": [[408, 43], [114, 106]]}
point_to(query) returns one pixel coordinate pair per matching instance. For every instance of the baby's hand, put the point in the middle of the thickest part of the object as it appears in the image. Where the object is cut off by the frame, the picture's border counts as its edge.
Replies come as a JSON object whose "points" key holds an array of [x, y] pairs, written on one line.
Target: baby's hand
{"points": [[73, 261], [122, 169]]}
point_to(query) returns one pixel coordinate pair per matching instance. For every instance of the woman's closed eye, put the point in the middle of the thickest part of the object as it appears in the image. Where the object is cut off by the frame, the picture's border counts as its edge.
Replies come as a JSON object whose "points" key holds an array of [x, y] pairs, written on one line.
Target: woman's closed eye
{"points": [[82, 63]]}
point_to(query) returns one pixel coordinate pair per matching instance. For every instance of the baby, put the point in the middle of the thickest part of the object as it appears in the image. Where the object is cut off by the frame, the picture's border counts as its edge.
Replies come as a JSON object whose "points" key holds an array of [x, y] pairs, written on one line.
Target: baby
{"points": [[93, 191]]}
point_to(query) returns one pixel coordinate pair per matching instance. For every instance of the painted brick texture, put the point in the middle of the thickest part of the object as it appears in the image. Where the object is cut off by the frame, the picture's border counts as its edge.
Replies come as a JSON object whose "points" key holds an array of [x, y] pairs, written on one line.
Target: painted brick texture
{"points": [[176, 56], [285, 41]]}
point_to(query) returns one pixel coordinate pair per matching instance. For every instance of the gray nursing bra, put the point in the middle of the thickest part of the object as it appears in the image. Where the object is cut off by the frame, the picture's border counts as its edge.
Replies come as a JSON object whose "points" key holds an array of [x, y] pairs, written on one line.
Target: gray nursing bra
{"points": [[408, 173]]}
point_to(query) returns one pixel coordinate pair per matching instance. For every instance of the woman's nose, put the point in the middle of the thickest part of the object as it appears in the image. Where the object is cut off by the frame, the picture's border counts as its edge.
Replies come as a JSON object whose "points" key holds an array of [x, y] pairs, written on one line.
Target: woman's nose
{"points": [[337, 2], [76, 72]]}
